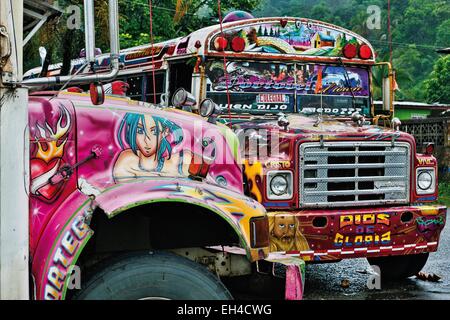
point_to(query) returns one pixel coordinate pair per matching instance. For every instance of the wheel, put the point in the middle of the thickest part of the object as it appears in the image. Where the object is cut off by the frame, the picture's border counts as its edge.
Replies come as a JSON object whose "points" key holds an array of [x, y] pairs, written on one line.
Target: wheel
{"points": [[157, 275], [399, 267]]}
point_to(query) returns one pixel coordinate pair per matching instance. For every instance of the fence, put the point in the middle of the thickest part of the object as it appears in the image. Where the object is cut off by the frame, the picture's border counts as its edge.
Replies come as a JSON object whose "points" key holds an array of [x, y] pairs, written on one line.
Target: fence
{"points": [[435, 130]]}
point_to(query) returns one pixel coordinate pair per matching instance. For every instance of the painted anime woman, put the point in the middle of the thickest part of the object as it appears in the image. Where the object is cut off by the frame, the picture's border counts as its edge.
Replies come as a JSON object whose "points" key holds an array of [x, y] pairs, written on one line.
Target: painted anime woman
{"points": [[151, 140]]}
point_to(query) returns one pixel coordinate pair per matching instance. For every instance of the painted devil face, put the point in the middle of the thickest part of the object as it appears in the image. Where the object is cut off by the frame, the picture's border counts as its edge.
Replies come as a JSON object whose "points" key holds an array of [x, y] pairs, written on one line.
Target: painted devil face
{"points": [[284, 228], [49, 156]]}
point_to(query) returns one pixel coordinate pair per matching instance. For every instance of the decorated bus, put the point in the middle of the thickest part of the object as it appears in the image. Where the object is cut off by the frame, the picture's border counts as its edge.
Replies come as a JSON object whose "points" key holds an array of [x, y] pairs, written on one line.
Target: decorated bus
{"points": [[299, 94], [132, 200]]}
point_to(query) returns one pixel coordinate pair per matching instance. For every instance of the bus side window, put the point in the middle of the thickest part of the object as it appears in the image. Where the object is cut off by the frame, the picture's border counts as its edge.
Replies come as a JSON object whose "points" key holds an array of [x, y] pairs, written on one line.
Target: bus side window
{"points": [[180, 76], [135, 90], [159, 88]]}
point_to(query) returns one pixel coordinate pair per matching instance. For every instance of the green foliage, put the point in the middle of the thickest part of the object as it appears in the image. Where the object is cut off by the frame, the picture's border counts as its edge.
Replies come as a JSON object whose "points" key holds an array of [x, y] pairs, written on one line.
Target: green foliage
{"points": [[134, 25], [135, 18], [443, 34], [437, 86], [418, 28], [444, 190]]}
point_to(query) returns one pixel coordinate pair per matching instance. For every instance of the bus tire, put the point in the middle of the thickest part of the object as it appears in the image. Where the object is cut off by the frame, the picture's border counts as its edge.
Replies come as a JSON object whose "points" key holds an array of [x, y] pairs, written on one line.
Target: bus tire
{"points": [[394, 268], [152, 276]]}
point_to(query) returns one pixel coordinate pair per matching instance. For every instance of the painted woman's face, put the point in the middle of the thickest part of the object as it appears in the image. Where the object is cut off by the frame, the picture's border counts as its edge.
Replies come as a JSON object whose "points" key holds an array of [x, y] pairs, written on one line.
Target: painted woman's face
{"points": [[146, 138]]}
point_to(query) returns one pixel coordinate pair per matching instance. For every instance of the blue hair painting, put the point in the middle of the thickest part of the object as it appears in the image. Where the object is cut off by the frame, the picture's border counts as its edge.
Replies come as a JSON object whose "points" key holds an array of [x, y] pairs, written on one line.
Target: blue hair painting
{"points": [[134, 124]]}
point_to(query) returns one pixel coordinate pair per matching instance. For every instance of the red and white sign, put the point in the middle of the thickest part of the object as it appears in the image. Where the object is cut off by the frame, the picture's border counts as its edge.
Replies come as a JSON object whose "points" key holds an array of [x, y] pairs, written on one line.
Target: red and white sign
{"points": [[272, 98]]}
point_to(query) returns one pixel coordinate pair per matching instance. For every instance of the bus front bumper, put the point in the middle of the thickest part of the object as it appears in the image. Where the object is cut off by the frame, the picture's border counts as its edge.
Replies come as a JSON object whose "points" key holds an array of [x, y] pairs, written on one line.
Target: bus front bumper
{"points": [[324, 235]]}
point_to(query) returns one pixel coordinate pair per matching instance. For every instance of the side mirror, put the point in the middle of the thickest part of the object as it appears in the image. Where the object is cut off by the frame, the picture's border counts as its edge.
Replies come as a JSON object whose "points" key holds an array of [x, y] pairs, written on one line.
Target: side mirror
{"points": [[97, 93], [208, 109], [42, 54], [387, 87], [182, 98], [387, 96], [45, 61]]}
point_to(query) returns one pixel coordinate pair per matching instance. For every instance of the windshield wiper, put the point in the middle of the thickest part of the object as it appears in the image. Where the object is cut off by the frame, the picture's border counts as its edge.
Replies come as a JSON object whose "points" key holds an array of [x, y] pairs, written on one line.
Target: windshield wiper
{"points": [[347, 82]]}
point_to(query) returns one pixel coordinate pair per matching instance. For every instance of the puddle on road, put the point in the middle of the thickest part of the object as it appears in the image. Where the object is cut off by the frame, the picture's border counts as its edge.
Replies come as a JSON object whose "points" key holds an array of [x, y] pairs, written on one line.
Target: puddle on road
{"points": [[323, 281]]}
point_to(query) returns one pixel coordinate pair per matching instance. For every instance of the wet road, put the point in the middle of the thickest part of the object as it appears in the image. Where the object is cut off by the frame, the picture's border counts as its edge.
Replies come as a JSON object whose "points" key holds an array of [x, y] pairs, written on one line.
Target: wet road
{"points": [[324, 281]]}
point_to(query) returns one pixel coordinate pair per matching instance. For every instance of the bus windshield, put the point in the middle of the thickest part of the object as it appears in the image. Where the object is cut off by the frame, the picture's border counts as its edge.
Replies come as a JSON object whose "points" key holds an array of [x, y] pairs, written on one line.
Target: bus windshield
{"points": [[307, 88]]}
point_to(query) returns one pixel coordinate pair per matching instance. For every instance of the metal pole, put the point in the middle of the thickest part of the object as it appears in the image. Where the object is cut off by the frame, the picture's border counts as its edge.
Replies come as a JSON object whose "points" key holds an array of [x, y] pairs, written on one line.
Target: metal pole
{"points": [[14, 154], [389, 31], [89, 31]]}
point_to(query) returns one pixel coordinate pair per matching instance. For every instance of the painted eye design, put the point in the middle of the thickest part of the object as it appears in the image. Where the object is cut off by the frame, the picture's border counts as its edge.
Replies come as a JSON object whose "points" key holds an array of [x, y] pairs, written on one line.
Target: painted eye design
{"points": [[292, 226], [282, 225]]}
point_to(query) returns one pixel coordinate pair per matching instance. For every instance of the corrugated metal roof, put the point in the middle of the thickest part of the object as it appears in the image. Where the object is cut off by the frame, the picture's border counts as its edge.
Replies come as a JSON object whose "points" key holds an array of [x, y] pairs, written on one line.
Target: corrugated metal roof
{"points": [[443, 50]]}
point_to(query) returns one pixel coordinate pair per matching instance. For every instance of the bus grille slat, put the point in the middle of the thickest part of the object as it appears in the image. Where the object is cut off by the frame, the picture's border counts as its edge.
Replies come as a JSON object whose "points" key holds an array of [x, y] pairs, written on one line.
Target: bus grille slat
{"points": [[354, 173]]}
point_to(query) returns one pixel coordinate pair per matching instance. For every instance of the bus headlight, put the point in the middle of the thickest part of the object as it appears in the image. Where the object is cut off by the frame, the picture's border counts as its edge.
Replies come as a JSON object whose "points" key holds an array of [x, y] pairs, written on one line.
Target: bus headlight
{"points": [[426, 180], [279, 185]]}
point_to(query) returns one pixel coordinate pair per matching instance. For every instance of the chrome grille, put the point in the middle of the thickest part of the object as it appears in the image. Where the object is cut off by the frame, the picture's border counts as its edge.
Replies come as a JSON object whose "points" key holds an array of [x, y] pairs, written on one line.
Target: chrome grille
{"points": [[354, 173]]}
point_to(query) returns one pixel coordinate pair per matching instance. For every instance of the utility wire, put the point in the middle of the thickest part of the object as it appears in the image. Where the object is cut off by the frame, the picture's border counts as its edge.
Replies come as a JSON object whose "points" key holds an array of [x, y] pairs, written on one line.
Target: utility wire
{"points": [[404, 44]]}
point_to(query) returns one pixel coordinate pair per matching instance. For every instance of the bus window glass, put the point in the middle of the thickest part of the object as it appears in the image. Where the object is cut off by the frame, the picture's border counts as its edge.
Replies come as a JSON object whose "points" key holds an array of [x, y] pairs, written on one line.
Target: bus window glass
{"points": [[159, 87], [256, 87], [135, 90], [330, 90]]}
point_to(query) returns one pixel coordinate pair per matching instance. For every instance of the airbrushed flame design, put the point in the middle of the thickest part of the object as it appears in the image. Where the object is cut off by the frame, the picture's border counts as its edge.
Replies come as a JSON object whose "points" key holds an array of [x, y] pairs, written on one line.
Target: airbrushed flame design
{"points": [[254, 172], [49, 144]]}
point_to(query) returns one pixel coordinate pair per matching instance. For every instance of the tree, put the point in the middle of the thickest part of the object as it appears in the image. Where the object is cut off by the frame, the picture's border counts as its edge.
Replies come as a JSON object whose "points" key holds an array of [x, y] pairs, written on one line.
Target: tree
{"points": [[418, 28], [321, 11], [134, 21], [437, 86], [443, 34]]}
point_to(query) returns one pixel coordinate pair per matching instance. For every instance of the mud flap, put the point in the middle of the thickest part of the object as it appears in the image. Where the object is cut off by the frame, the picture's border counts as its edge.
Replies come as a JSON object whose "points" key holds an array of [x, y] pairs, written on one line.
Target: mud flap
{"points": [[293, 270]]}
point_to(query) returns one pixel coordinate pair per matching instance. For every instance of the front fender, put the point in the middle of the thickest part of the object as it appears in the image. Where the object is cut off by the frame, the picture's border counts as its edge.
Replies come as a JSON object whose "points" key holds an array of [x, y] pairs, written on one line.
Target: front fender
{"points": [[60, 245], [67, 233], [235, 208]]}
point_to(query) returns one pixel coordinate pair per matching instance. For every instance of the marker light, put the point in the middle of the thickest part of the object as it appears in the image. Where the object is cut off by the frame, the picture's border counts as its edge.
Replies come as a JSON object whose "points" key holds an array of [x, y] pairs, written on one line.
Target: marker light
{"points": [[238, 44], [259, 232], [349, 51], [220, 43], [365, 52], [429, 148]]}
